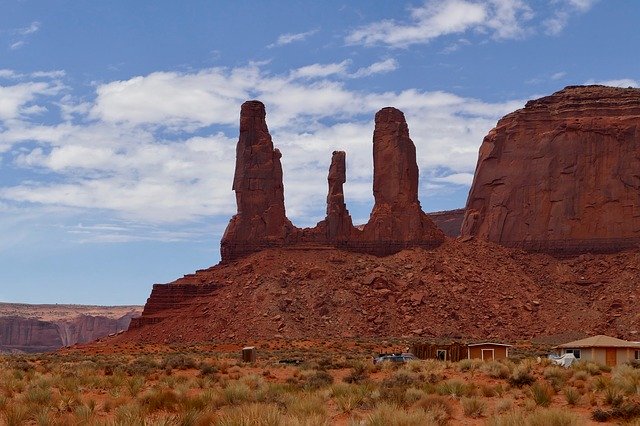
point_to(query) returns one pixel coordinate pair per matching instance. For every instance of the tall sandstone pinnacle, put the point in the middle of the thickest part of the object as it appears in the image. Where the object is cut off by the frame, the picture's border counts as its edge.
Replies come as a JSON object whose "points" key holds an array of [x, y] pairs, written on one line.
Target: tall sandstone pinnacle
{"points": [[261, 221], [397, 215], [339, 226], [563, 173]]}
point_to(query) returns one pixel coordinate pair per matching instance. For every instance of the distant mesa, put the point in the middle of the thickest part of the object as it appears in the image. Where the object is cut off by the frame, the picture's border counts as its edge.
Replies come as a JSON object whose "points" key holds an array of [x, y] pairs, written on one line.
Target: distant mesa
{"points": [[561, 175], [397, 220]]}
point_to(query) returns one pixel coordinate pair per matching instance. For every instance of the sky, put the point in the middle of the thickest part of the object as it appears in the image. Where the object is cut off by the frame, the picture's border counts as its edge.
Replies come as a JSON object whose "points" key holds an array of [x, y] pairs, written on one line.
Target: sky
{"points": [[119, 119]]}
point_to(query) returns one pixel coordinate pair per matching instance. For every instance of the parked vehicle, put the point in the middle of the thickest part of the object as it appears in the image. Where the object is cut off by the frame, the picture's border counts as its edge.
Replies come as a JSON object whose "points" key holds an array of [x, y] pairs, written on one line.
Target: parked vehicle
{"points": [[403, 357]]}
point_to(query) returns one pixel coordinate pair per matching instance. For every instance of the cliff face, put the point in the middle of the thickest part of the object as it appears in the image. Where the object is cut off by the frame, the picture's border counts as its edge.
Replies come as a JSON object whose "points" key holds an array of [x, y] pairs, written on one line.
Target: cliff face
{"points": [[397, 220], [42, 328], [561, 174]]}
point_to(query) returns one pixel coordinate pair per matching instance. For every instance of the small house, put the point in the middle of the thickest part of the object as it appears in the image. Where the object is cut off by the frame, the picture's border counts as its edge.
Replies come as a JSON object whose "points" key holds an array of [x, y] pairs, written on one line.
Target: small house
{"points": [[602, 349], [488, 351]]}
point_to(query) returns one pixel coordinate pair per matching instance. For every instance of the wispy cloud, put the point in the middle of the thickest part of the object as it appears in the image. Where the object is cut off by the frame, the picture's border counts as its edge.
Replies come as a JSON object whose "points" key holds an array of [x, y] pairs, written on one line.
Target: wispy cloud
{"points": [[381, 67], [21, 35], [497, 19], [289, 38], [31, 29], [562, 12], [503, 18]]}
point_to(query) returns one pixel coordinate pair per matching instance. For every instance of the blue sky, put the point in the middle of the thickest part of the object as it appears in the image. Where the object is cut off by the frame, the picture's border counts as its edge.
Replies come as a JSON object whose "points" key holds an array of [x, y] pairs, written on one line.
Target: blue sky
{"points": [[118, 120]]}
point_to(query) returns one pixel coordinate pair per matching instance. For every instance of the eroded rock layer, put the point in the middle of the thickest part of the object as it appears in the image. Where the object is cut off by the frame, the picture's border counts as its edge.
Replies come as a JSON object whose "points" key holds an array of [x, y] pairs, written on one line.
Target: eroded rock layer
{"points": [[561, 174], [397, 220]]}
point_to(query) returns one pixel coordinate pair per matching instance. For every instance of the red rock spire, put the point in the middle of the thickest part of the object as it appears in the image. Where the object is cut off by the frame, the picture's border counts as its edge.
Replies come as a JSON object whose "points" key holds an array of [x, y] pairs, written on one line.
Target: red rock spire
{"points": [[397, 215]]}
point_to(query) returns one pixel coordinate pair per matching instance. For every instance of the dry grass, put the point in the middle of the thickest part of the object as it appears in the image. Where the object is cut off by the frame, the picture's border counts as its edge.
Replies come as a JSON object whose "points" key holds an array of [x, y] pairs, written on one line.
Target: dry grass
{"points": [[194, 387]]}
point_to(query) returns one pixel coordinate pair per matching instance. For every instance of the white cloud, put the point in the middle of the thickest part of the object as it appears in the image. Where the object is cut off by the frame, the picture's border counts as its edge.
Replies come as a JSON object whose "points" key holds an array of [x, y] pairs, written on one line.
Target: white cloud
{"points": [[499, 19], [562, 12], [320, 70], [15, 99], [434, 19], [17, 45], [289, 38], [132, 151], [381, 67], [558, 75], [31, 29], [456, 178], [622, 82]]}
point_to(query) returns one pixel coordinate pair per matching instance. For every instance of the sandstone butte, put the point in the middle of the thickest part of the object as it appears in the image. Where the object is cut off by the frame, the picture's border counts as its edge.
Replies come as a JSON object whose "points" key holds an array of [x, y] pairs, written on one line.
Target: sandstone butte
{"points": [[561, 172]]}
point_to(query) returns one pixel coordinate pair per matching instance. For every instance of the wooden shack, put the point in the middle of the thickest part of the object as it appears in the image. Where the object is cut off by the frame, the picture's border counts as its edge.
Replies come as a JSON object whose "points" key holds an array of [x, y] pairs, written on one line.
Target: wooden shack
{"points": [[487, 351], [452, 351], [456, 351]]}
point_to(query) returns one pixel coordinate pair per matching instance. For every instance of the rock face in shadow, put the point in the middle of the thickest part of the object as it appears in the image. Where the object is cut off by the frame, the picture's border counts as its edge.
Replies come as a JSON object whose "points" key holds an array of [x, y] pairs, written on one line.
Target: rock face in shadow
{"points": [[396, 215], [397, 220], [561, 174]]}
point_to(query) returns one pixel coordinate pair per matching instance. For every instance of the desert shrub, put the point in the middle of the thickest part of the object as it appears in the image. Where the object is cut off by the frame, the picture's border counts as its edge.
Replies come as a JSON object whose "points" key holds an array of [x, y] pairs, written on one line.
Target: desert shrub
{"points": [[541, 393], [16, 414], [612, 397], [440, 406], [551, 417], [464, 365], [319, 379], [504, 405], [455, 388], [496, 369], [624, 412], [358, 374], [159, 399], [178, 362], [141, 366], [252, 414], [488, 391], [400, 378], [473, 407], [521, 376], [390, 415], [208, 369], [589, 367], [38, 396], [236, 393], [627, 379], [513, 418], [601, 383], [129, 414], [134, 385], [306, 405], [571, 395], [580, 375]]}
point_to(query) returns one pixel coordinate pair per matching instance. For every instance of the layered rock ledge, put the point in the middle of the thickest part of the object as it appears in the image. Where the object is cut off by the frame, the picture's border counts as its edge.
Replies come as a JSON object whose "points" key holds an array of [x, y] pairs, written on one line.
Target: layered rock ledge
{"points": [[562, 174]]}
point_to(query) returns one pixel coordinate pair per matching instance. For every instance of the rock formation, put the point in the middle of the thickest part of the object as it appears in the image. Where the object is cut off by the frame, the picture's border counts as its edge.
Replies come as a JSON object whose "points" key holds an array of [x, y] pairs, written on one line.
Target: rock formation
{"points": [[260, 221], [561, 174], [338, 225], [42, 328], [397, 220], [396, 216]]}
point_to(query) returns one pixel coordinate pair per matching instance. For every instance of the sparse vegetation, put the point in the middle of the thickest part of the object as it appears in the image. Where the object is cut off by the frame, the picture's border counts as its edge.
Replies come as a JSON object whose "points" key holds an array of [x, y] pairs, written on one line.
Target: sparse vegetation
{"points": [[203, 387]]}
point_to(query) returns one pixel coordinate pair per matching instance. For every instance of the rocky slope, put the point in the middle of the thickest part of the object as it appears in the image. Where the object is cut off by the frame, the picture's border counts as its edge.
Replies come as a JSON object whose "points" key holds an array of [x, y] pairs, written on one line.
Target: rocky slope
{"points": [[41, 328], [467, 289], [561, 174]]}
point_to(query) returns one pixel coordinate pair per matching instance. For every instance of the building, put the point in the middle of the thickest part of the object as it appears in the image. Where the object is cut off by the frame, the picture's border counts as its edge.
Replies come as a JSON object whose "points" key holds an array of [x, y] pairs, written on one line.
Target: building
{"points": [[456, 351], [487, 351], [602, 349]]}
